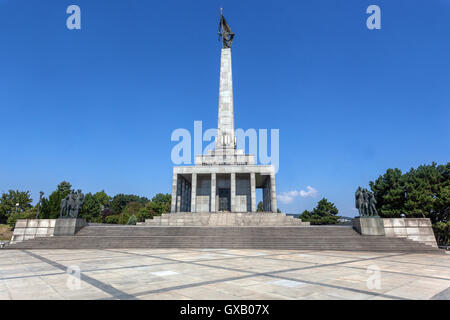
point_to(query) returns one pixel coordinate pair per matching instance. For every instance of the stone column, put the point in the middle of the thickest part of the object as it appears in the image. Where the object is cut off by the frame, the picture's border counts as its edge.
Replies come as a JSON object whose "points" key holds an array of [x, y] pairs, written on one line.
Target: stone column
{"points": [[188, 197], [225, 126], [183, 195], [273, 193], [193, 191], [173, 205], [213, 193], [233, 192], [179, 198], [253, 191]]}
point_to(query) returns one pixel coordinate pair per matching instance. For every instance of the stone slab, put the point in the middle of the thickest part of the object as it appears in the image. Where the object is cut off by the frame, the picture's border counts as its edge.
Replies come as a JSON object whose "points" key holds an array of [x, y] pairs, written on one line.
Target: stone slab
{"points": [[369, 226], [68, 227]]}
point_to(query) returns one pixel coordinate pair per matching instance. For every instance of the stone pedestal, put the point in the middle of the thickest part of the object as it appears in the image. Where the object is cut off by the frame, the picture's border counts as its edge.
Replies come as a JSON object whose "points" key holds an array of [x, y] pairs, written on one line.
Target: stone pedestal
{"points": [[416, 229], [32, 228], [369, 226], [68, 227]]}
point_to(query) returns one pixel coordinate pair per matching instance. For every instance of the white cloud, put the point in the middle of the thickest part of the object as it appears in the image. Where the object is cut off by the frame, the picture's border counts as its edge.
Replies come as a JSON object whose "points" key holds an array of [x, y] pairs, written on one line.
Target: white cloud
{"points": [[288, 197]]}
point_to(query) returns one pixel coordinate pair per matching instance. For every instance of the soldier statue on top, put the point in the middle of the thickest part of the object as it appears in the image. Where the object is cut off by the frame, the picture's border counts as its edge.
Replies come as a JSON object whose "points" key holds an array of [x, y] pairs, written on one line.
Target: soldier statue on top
{"points": [[225, 32], [71, 205], [365, 203]]}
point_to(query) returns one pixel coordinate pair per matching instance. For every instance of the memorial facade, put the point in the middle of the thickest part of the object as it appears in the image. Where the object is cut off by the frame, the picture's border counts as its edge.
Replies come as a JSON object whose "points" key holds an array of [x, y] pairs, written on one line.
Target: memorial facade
{"points": [[225, 179]]}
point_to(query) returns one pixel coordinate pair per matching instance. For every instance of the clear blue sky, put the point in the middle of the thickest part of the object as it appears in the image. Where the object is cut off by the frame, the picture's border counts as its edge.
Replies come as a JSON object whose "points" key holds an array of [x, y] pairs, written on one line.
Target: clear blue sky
{"points": [[97, 106]]}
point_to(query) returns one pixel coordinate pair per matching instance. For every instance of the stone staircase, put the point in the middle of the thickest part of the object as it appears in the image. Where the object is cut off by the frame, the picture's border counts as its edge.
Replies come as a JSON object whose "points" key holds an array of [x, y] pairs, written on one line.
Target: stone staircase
{"points": [[262, 237], [225, 219]]}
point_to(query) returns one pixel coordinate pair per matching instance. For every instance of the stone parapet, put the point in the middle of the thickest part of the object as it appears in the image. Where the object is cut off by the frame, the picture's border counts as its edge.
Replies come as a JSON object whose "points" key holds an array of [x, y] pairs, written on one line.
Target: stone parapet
{"points": [[26, 229], [415, 229], [225, 219]]}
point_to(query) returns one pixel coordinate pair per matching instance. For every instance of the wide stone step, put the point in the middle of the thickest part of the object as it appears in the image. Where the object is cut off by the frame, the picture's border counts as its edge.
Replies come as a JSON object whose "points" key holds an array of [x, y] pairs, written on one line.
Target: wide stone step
{"points": [[249, 237], [182, 242]]}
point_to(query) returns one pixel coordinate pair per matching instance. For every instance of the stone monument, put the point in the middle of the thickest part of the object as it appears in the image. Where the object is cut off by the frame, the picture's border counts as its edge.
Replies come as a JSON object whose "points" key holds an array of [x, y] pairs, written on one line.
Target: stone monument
{"points": [[225, 179], [68, 223], [368, 222], [71, 205]]}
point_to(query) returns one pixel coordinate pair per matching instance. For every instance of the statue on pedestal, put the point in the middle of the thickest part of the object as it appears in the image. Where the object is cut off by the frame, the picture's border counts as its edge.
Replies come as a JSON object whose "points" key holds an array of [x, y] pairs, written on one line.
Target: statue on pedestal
{"points": [[365, 202], [225, 32], [71, 205]]}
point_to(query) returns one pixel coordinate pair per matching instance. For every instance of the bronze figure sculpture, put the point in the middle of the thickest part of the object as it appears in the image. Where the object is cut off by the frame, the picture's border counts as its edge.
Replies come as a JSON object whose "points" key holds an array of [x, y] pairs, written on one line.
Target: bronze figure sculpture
{"points": [[365, 202], [71, 205], [225, 32]]}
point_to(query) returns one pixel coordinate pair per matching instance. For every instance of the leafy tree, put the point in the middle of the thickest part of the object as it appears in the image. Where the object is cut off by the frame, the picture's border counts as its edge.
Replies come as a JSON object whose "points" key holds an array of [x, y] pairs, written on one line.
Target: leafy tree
{"points": [[421, 192], [112, 219], [442, 232], [120, 201], [324, 213], [44, 209], [103, 198], [161, 203], [9, 200], [260, 207], [106, 212], [91, 209], [132, 208], [28, 213], [54, 200], [389, 193]]}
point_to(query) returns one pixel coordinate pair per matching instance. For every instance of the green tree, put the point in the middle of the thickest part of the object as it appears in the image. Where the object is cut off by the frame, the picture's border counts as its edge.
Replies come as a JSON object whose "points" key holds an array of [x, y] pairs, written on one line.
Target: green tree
{"points": [[161, 203], [103, 198], [44, 209], [14, 202], [91, 209], [422, 192], [260, 207], [132, 208], [132, 220], [120, 201], [28, 213], [442, 232], [54, 200], [324, 213], [389, 193]]}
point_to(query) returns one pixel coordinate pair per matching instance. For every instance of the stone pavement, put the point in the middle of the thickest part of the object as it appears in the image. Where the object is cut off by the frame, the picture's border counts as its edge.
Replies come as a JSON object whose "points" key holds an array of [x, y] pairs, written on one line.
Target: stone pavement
{"points": [[222, 274]]}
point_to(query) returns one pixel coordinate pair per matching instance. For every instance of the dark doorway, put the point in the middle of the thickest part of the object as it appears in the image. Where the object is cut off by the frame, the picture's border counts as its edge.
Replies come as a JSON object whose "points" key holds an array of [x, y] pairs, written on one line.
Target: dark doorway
{"points": [[224, 199]]}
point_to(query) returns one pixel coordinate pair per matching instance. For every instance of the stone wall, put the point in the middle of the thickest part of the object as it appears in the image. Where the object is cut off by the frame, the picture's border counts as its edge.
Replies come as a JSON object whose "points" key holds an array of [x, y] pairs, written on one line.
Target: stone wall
{"points": [[416, 229], [26, 229]]}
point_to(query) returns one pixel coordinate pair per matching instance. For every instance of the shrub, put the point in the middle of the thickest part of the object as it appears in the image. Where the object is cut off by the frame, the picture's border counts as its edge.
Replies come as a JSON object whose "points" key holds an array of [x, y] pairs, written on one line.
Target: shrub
{"points": [[112, 219], [118, 219], [132, 220], [28, 214], [442, 232], [123, 218]]}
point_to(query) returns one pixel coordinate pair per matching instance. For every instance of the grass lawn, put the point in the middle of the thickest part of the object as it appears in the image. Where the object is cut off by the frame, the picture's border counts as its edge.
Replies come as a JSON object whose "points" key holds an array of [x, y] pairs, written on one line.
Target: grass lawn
{"points": [[5, 232]]}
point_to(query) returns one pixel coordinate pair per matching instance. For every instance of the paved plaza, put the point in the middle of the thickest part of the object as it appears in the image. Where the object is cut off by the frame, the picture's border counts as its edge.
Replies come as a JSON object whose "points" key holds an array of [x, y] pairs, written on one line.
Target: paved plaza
{"points": [[222, 274]]}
